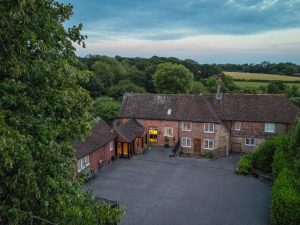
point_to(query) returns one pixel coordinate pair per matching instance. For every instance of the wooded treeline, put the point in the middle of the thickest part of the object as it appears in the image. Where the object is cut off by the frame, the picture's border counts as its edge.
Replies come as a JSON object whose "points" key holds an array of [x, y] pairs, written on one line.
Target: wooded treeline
{"points": [[264, 67]]}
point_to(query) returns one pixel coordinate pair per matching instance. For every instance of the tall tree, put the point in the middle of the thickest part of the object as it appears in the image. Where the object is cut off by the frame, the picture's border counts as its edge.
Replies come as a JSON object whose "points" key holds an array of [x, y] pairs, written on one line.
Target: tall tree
{"points": [[172, 78], [42, 111]]}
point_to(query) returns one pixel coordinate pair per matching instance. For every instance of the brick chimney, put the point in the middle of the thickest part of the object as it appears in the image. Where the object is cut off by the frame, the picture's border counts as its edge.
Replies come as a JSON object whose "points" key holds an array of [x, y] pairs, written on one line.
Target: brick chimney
{"points": [[219, 83]]}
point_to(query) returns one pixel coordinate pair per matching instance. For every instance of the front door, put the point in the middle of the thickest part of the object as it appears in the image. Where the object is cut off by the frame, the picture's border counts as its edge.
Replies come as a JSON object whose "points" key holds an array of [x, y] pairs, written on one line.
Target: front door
{"points": [[236, 147], [197, 145], [125, 149], [119, 149]]}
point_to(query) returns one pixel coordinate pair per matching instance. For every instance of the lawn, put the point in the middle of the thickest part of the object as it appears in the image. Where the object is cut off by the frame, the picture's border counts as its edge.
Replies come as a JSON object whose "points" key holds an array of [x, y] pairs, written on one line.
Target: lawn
{"points": [[244, 84], [260, 76]]}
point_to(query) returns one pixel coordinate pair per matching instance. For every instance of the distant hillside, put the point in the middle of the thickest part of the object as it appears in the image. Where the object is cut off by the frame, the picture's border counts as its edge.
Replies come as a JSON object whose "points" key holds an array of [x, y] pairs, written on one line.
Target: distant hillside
{"points": [[261, 77]]}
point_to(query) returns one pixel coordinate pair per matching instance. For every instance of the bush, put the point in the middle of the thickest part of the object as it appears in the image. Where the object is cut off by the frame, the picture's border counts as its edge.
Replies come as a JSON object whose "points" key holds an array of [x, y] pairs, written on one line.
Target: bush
{"points": [[245, 164], [285, 206], [281, 161], [263, 155]]}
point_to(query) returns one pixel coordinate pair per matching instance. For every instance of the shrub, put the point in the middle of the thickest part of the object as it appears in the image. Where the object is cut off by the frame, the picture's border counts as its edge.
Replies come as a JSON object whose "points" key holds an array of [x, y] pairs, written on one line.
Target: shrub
{"points": [[285, 206], [263, 156], [281, 161], [245, 164]]}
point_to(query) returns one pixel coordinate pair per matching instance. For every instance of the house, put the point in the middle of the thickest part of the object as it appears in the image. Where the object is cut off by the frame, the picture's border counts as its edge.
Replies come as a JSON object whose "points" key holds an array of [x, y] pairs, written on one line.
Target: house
{"points": [[96, 149], [210, 123], [131, 138]]}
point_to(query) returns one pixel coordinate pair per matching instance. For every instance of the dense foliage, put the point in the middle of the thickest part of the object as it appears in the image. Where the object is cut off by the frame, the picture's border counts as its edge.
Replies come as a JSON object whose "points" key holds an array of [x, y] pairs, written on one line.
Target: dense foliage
{"points": [[106, 108], [172, 79], [264, 67], [42, 111], [245, 165], [281, 156]]}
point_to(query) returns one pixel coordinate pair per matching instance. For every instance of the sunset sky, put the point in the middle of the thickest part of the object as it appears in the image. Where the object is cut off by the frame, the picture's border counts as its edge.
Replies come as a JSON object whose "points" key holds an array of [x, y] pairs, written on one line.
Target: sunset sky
{"points": [[208, 31]]}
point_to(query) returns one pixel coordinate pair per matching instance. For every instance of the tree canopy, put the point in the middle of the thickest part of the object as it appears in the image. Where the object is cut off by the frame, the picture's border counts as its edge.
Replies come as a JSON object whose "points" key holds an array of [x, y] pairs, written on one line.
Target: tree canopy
{"points": [[172, 78], [42, 111]]}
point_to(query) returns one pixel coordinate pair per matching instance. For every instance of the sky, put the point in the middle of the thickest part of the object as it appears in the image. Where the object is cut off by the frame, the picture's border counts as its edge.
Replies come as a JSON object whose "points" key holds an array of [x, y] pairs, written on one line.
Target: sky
{"points": [[208, 31]]}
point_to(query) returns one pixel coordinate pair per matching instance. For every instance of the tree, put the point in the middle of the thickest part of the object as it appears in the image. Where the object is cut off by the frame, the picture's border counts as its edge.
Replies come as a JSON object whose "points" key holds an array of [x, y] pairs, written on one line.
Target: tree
{"points": [[106, 108], [42, 111], [117, 91], [172, 79], [276, 87], [197, 88]]}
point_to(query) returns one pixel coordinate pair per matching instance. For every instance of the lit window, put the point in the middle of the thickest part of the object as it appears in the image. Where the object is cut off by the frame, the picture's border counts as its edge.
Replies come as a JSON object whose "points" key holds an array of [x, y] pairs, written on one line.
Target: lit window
{"points": [[237, 126], [208, 144], [269, 127], [186, 142], [168, 132], [111, 145], [249, 142], [209, 128], [83, 163], [186, 126]]}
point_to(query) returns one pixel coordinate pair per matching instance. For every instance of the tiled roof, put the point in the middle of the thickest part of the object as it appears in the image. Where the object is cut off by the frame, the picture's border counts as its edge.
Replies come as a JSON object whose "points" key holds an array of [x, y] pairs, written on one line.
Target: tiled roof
{"points": [[167, 107], [254, 107], [206, 108], [130, 130], [100, 135]]}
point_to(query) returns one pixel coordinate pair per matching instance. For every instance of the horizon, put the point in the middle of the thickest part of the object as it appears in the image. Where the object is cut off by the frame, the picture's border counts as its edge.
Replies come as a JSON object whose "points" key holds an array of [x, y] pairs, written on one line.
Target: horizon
{"points": [[237, 32]]}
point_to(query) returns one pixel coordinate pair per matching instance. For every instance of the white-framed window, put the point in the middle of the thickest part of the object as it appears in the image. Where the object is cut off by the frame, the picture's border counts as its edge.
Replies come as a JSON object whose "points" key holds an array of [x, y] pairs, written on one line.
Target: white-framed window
{"points": [[83, 163], [249, 141], [111, 145], [186, 126], [186, 142], [237, 126], [269, 127], [208, 144], [168, 132], [209, 128]]}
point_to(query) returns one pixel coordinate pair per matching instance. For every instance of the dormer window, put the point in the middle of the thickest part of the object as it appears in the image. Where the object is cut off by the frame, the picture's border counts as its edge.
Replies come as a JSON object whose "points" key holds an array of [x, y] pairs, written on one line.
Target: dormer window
{"points": [[169, 112]]}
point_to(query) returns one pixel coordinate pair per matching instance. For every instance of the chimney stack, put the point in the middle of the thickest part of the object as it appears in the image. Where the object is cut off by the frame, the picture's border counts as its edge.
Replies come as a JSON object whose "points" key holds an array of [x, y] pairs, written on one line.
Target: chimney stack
{"points": [[219, 82]]}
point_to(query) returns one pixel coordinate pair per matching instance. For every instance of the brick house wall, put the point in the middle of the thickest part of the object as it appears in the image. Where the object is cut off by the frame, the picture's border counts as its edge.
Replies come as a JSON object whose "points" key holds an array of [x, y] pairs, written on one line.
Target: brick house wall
{"points": [[160, 125], [220, 137], [254, 130], [104, 154]]}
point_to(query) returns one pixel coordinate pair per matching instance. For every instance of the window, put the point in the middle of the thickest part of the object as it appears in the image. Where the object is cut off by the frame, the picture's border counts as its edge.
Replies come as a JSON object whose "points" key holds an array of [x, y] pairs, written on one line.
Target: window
{"points": [[138, 142], [209, 128], [208, 144], [186, 142], [153, 132], [186, 126], [237, 126], [249, 142], [169, 112], [269, 127], [83, 163], [168, 132], [111, 145]]}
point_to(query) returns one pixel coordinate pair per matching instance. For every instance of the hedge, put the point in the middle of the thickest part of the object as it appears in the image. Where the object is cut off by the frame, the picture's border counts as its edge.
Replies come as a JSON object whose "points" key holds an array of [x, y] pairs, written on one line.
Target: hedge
{"points": [[245, 164], [285, 206]]}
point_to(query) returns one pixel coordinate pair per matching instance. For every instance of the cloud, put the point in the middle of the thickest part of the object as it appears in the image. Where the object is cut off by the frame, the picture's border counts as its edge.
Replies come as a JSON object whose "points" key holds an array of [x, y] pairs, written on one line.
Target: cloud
{"points": [[176, 19], [273, 45]]}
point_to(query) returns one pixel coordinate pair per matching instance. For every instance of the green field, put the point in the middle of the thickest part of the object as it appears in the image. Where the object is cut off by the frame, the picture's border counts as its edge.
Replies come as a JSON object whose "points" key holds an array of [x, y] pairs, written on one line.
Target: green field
{"points": [[244, 84], [260, 76]]}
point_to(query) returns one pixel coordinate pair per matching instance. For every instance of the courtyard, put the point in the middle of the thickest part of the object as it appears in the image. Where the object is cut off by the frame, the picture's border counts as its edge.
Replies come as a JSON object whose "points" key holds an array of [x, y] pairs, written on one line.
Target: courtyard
{"points": [[155, 189]]}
